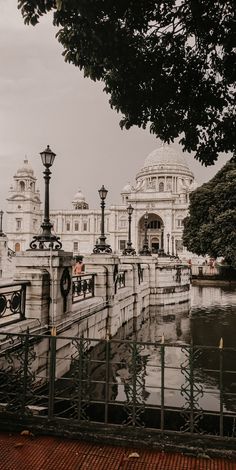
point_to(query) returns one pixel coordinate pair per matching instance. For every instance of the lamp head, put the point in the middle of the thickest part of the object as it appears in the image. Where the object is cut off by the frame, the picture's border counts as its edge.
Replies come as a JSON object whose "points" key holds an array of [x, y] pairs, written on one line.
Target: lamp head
{"points": [[130, 209], [103, 192], [47, 157]]}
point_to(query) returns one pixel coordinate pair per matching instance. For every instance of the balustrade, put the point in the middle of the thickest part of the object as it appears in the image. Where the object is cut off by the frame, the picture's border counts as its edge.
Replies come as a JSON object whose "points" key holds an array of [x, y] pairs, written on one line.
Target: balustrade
{"points": [[82, 287]]}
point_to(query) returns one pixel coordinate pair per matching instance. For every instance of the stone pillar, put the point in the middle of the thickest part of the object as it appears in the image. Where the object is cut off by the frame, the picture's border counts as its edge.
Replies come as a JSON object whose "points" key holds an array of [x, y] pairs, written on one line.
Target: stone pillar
{"points": [[44, 269], [4, 272], [105, 267]]}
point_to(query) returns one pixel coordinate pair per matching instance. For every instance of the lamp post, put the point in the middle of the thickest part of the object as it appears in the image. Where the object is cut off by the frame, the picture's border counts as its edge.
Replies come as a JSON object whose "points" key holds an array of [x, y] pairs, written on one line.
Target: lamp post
{"points": [[102, 247], [168, 244], [129, 250], [1, 232], [145, 250], [46, 240]]}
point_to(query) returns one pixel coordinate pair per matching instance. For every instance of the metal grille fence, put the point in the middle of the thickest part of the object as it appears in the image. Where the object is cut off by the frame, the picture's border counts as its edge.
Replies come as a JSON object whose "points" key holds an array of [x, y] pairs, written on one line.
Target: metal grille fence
{"points": [[173, 388]]}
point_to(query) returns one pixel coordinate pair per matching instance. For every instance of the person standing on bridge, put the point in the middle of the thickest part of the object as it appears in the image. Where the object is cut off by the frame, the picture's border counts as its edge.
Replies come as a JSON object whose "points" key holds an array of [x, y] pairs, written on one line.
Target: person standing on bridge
{"points": [[79, 266]]}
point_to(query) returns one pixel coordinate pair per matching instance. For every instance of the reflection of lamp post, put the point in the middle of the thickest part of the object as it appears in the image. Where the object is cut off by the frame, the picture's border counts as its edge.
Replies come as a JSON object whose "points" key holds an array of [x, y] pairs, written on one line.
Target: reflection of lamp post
{"points": [[172, 246], [176, 248], [129, 250], [145, 250], [1, 232], [102, 247], [168, 244], [46, 240], [161, 250]]}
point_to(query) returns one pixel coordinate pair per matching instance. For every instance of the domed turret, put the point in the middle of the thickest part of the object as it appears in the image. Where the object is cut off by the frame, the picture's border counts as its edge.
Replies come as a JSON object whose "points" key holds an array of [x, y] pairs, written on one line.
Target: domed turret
{"points": [[127, 188], [26, 169], [79, 201]]}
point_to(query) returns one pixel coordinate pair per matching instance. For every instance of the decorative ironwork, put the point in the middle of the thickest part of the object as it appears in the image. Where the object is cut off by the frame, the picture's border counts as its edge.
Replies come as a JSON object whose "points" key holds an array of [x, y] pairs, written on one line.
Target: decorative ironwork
{"points": [[120, 280], [16, 374], [12, 302], [82, 287], [65, 285], [118, 383], [44, 242], [81, 376], [134, 386], [191, 391]]}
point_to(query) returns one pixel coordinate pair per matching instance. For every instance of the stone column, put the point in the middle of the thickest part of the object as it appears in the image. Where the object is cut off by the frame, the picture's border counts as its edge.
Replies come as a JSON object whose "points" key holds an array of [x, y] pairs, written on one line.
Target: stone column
{"points": [[44, 269]]}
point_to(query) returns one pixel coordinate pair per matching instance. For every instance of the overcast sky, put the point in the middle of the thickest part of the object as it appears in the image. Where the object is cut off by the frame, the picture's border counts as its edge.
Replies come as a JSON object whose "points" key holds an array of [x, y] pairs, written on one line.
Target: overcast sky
{"points": [[44, 101]]}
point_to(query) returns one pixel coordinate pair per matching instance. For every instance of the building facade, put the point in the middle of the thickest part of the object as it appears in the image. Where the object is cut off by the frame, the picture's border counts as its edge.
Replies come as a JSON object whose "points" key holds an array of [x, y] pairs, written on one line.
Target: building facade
{"points": [[161, 188]]}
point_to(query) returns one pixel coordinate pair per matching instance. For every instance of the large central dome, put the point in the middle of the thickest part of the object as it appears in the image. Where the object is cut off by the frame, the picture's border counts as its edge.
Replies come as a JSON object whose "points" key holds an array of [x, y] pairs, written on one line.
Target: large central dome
{"points": [[165, 155], [165, 161]]}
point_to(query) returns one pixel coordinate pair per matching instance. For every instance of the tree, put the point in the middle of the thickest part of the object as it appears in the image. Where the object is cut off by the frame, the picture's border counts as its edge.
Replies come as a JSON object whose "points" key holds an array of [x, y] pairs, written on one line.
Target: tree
{"points": [[167, 64], [210, 227]]}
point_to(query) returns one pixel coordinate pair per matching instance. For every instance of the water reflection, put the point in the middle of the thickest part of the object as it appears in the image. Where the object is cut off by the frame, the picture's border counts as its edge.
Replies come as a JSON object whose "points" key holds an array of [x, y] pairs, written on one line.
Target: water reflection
{"points": [[211, 315]]}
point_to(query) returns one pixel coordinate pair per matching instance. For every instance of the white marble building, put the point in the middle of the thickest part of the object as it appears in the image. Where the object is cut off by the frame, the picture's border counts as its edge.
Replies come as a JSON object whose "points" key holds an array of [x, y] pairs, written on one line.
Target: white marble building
{"points": [[161, 187]]}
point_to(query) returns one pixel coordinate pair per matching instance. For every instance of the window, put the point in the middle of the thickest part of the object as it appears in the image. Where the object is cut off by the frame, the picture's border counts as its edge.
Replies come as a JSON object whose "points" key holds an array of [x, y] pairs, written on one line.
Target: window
{"points": [[34, 224], [76, 246], [22, 186], [18, 224], [85, 226], [76, 227], [122, 245], [122, 223], [154, 224], [180, 223], [161, 187], [17, 247], [67, 226]]}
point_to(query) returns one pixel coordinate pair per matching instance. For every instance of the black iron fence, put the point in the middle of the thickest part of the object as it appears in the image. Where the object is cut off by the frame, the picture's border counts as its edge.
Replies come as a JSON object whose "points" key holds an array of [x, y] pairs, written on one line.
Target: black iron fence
{"points": [[82, 287], [69, 382], [12, 302]]}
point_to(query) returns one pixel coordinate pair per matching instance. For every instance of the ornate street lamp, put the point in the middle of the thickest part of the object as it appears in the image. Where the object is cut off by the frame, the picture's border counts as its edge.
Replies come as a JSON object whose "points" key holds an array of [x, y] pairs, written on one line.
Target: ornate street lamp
{"points": [[168, 244], [1, 232], [129, 250], [102, 247], [145, 250], [46, 240]]}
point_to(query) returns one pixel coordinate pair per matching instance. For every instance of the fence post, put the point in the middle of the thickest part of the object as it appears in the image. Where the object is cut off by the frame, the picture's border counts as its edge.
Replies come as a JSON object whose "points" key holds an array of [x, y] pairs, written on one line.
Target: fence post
{"points": [[25, 370], [221, 387], [52, 372], [162, 382], [107, 352]]}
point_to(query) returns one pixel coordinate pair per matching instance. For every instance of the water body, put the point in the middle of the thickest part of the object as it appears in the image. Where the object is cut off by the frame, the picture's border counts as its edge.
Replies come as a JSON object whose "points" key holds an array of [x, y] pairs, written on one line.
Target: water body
{"points": [[210, 316]]}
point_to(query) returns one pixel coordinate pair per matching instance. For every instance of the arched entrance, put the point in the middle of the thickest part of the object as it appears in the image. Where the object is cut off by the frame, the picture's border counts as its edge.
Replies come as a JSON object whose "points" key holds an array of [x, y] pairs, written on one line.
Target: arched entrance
{"points": [[154, 232]]}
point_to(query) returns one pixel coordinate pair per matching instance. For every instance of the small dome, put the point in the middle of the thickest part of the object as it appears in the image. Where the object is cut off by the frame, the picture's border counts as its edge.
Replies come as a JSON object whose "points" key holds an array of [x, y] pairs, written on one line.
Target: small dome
{"points": [[79, 197], [166, 155], [26, 169], [79, 201], [126, 188]]}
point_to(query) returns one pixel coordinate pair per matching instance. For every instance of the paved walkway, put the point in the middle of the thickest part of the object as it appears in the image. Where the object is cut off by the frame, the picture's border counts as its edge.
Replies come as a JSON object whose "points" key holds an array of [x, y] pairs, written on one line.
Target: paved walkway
{"points": [[25, 452]]}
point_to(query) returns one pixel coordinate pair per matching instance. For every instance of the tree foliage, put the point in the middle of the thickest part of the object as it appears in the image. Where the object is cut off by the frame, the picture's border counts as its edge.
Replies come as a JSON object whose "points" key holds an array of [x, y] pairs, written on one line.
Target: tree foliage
{"points": [[167, 64], [211, 225]]}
